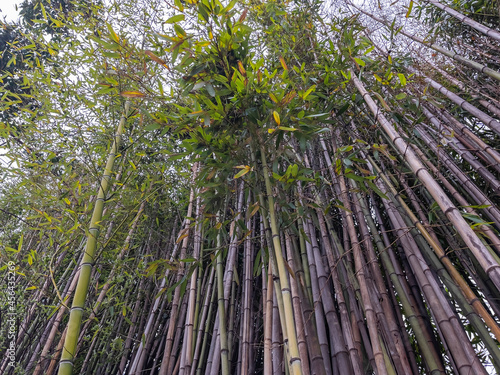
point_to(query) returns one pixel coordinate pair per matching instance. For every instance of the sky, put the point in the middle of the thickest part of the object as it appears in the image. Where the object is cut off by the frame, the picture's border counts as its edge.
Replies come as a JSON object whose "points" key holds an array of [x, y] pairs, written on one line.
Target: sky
{"points": [[8, 9]]}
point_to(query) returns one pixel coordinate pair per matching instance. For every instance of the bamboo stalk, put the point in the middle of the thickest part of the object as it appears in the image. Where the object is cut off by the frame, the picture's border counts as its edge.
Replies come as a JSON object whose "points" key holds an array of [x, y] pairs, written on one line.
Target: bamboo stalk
{"points": [[294, 359], [222, 312], [466, 20], [455, 56], [76, 312], [491, 267]]}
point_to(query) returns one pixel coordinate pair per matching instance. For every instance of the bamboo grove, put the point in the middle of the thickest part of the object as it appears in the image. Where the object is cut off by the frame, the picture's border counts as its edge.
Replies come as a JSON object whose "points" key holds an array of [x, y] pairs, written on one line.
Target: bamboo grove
{"points": [[279, 187]]}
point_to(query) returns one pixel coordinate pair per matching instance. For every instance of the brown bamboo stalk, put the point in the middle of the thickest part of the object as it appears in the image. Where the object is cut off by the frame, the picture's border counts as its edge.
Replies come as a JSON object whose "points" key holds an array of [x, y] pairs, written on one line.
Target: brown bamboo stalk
{"points": [[187, 346], [466, 20], [483, 117], [487, 262], [167, 365], [480, 198], [360, 273]]}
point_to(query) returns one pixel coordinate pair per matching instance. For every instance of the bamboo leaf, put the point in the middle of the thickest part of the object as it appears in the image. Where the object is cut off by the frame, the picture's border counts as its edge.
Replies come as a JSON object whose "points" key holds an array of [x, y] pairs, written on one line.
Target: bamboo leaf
{"points": [[254, 210], [382, 101], [410, 7], [113, 35], [156, 59], [132, 94], [273, 97], [176, 18], [310, 90], [276, 117], [283, 64], [182, 237], [285, 128], [243, 172], [359, 61], [241, 68], [402, 79]]}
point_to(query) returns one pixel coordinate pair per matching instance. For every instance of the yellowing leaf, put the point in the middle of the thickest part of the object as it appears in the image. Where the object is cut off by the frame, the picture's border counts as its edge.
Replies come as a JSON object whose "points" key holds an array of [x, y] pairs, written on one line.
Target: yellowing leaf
{"points": [[132, 94], [31, 288], [271, 131], [273, 97], [113, 34], [156, 59], [288, 97], [276, 117], [243, 171], [179, 31], [283, 64], [211, 174], [242, 69], [402, 79], [255, 209], [182, 237]]}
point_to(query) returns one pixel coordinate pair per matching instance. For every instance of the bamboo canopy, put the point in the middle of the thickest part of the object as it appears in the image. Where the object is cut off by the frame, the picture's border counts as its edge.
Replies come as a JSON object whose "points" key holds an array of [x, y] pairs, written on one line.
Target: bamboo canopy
{"points": [[259, 187]]}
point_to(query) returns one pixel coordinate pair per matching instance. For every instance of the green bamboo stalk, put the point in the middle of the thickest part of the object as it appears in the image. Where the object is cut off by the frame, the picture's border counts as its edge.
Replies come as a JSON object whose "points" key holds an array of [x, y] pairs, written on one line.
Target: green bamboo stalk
{"points": [[294, 359], [222, 310], [76, 313], [188, 342]]}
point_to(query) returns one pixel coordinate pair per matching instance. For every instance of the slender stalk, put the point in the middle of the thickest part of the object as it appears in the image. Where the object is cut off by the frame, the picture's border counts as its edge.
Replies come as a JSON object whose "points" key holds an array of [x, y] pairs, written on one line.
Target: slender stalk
{"points": [[76, 312]]}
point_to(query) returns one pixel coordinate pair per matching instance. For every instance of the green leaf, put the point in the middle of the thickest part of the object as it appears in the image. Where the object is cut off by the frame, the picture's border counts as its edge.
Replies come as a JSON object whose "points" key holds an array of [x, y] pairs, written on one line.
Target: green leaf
{"points": [[310, 90], [20, 246], [176, 18], [382, 101], [210, 89], [179, 31], [402, 79], [377, 190], [354, 177], [410, 7], [359, 61], [152, 127], [113, 35], [286, 128], [401, 96]]}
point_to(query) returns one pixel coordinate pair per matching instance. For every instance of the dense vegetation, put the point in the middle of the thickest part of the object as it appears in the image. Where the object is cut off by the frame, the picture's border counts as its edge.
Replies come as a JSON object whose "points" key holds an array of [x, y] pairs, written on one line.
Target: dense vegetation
{"points": [[275, 187]]}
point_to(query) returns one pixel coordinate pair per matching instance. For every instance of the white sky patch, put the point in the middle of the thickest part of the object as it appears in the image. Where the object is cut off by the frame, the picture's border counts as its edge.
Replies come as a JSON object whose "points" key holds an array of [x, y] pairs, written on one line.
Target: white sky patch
{"points": [[8, 10]]}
